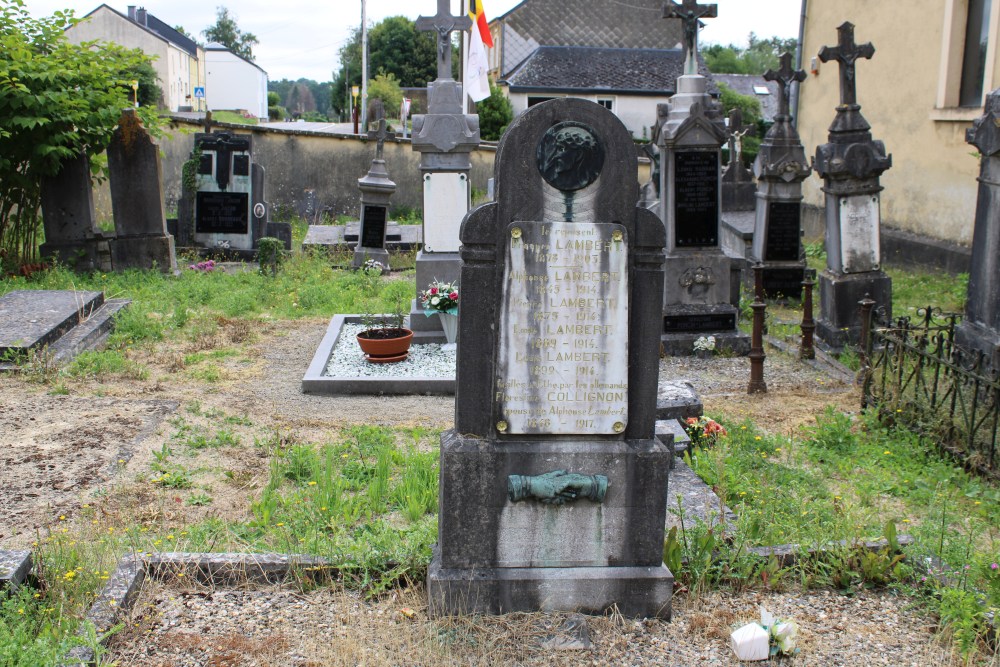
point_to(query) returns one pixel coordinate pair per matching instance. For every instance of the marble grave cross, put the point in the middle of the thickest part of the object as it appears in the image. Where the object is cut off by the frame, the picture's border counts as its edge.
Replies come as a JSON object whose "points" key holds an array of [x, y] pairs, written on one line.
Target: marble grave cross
{"points": [[444, 24], [689, 12], [785, 75], [846, 53]]}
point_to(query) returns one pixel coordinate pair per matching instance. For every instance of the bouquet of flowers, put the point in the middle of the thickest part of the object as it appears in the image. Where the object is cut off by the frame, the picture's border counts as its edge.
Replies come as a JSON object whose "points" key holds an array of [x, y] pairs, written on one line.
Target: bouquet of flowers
{"points": [[440, 297], [703, 431], [372, 267], [704, 344], [205, 267]]}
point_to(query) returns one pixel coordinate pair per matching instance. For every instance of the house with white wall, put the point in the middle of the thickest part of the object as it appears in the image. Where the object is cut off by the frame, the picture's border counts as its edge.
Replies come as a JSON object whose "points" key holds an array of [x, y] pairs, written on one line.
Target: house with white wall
{"points": [[233, 82]]}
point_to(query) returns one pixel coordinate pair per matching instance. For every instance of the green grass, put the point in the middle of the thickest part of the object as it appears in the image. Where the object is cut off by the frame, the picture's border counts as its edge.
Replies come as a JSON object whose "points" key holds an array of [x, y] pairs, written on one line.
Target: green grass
{"points": [[232, 117]]}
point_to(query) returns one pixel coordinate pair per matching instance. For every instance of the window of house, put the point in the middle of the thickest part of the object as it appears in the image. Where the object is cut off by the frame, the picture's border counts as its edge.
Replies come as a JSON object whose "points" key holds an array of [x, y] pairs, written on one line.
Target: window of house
{"points": [[607, 102], [977, 37]]}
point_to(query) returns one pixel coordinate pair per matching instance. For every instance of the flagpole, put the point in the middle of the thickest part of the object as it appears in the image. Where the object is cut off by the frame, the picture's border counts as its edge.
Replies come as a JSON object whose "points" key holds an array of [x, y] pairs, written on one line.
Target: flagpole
{"points": [[462, 56], [363, 112]]}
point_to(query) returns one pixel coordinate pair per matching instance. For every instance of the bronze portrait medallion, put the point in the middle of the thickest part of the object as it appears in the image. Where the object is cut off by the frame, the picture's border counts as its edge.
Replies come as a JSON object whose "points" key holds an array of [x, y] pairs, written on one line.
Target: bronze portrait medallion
{"points": [[570, 156]]}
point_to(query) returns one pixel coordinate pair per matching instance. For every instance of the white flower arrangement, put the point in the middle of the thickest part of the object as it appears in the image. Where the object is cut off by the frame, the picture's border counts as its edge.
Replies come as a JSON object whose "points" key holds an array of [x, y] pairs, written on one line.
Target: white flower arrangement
{"points": [[760, 641], [373, 267], [704, 344]]}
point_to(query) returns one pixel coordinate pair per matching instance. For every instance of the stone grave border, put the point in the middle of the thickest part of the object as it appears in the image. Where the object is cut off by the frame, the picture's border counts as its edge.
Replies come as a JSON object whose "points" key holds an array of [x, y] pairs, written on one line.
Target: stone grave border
{"points": [[315, 382], [230, 570]]}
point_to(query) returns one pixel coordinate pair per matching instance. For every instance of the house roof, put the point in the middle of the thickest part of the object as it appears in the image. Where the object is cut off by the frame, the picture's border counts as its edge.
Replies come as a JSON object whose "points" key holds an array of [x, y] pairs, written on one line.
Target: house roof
{"points": [[608, 23], [570, 69], [754, 85], [157, 28], [215, 46]]}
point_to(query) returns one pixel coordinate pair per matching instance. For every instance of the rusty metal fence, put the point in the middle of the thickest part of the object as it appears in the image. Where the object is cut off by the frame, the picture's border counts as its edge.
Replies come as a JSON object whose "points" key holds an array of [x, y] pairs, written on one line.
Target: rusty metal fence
{"points": [[913, 372]]}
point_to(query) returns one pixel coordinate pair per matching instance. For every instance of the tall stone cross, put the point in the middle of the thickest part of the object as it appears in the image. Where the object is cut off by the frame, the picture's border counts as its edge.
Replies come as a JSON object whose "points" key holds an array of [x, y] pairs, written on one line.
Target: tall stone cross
{"points": [[846, 53], [380, 135], [444, 24], [785, 75], [689, 12], [737, 130]]}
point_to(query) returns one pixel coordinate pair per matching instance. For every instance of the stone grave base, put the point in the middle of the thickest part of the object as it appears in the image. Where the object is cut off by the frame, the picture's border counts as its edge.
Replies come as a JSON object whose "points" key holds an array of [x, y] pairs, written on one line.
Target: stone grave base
{"points": [[431, 266], [499, 555], [636, 592], [143, 252], [783, 279], [64, 321], [684, 324], [839, 321], [315, 381], [974, 336], [92, 254], [397, 236]]}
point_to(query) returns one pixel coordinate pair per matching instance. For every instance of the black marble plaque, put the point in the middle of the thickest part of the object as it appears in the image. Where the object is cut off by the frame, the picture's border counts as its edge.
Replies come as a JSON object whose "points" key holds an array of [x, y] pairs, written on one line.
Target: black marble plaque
{"points": [[241, 165], [696, 198], [373, 227], [783, 225], [688, 323], [205, 164], [783, 282], [222, 213]]}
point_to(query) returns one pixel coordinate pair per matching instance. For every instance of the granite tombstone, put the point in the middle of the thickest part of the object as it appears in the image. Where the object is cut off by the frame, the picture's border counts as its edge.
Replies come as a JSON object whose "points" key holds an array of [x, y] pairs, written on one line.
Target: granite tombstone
{"points": [[553, 483], [69, 220], [376, 189]]}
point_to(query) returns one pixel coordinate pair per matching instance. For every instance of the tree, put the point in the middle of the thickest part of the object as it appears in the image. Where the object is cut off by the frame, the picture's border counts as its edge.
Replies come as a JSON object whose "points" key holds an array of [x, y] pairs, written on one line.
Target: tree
{"points": [[495, 114], [226, 32], [759, 56], [150, 93], [385, 87], [57, 100]]}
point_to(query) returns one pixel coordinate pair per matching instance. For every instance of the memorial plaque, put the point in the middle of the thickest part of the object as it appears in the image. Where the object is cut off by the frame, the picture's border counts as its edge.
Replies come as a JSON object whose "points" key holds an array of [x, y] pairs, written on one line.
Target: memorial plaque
{"points": [[205, 164], [783, 232], [563, 356], [859, 233], [222, 213], [696, 198], [373, 227], [699, 322], [784, 282]]}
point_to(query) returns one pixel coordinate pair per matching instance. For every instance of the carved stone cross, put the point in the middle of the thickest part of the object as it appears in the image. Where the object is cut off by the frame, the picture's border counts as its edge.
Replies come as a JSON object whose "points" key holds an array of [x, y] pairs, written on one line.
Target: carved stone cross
{"points": [[380, 135], [785, 75], [689, 12], [737, 130], [444, 24], [846, 53]]}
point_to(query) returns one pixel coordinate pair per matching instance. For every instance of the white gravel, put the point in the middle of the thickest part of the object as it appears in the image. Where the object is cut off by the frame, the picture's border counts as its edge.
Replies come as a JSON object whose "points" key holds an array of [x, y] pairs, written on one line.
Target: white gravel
{"points": [[429, 360]]}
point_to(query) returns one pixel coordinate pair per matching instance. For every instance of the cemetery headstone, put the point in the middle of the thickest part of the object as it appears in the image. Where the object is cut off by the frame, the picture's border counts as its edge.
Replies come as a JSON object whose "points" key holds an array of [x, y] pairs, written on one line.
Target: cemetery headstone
{"points": [[780, 167], [850, 165], [376, 189], [737, 181], [71, 234], [699, 288], [553, 483], [141, 239], [980, 329], [444, 137]]}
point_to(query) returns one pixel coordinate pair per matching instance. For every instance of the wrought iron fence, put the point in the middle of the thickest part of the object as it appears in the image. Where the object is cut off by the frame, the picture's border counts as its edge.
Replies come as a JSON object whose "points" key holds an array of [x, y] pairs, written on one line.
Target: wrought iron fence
{"points": [[914, 373]]}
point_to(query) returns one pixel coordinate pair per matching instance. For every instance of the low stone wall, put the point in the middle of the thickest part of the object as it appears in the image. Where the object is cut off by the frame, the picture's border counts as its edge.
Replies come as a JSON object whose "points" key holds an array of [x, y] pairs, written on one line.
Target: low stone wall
{"points": [[307, 171]]}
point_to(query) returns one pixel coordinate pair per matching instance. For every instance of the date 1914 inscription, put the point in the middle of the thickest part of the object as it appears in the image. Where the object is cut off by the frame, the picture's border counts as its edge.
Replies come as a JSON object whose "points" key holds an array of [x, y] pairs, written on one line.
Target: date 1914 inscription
{"points": [[696, 198], [563, 361]]}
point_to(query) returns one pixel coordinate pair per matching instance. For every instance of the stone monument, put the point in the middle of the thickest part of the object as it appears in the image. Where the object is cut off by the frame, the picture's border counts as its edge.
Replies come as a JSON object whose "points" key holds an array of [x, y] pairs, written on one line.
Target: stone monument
{"points": [[553, 485], [376, 189], [737, 181], [71, 234], [780, 168], [698, 291], [141, 239], [444, 137], [980, 329], [850, 165]]}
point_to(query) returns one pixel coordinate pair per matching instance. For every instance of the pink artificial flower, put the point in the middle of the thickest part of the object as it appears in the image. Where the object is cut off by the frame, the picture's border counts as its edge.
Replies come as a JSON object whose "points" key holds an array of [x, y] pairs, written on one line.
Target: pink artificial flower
{"points": [[994, 566], [453, 296], [434, 290]]}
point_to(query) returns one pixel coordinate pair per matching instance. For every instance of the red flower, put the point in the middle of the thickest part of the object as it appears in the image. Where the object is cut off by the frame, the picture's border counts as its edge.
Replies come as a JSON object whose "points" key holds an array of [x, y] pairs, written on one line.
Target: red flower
{"points": [[453, 296], [434, 290]]}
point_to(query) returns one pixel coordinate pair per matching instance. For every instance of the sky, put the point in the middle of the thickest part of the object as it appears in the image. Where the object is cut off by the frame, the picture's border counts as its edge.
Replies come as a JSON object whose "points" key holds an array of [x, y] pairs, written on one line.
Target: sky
{"points": [[301, 38]]}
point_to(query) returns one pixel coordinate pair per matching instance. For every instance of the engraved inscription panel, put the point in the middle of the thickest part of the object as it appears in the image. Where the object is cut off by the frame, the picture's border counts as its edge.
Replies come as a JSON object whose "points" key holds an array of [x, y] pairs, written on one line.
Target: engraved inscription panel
{"points": [[222, 213], [373, 226], [859, 233], [783, 232], [563, 359], [696, 198]]}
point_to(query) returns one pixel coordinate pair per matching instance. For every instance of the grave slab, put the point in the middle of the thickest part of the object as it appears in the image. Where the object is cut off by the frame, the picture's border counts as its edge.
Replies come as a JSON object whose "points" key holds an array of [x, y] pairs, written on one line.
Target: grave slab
{"points": [[397, 237], [677, 400], [30, 319], [15, 566]]}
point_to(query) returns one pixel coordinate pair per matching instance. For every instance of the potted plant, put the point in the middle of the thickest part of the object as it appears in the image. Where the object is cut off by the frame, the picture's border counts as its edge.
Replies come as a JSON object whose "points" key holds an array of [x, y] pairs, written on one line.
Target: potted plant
{"points": [[441, 299], [385, 339]]}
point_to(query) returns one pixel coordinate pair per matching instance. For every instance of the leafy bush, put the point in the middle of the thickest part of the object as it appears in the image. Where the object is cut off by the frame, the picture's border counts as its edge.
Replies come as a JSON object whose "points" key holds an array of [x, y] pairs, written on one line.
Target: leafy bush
{"points": [[495, 114]]}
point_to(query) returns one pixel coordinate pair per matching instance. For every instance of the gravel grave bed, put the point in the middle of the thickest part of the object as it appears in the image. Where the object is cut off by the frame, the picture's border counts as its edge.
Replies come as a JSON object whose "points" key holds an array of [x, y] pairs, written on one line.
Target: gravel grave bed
{"points": [[429, 360], [183, 627]]}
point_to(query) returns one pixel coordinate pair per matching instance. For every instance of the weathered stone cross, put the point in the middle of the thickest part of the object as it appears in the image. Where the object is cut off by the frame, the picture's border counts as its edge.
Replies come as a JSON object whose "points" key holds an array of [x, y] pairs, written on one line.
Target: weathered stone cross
{"points": [[785, 75], [380, 135], [689, 12], [847, 52], [444, 24], [737, 130]]}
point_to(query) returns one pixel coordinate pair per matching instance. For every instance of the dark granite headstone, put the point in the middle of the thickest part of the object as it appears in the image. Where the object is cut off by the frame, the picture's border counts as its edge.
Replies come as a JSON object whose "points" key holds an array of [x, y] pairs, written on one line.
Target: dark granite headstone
{"points": [[68, 217], [553, 484], [373, 219], [222, 213]]}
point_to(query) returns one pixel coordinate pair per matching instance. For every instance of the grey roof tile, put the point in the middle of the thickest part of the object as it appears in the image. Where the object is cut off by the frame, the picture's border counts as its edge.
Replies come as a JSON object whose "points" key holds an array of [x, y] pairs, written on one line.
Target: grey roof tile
{"points": [[635, 24], [744, 85]]}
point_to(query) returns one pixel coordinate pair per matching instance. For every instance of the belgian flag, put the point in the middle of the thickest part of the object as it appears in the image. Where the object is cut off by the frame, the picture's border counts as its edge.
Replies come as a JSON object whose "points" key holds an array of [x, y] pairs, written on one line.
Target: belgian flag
{"points": [[478, 17]]}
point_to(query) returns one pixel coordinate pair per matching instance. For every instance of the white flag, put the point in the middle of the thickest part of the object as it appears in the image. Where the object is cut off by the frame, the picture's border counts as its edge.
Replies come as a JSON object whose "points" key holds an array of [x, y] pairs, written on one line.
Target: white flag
{"points": [[477, 81]]}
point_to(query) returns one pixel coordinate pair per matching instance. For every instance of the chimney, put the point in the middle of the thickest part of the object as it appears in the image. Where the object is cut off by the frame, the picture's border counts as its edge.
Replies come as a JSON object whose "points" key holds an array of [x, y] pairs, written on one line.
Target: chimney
{"points": [[140, 16], [131, 12]]}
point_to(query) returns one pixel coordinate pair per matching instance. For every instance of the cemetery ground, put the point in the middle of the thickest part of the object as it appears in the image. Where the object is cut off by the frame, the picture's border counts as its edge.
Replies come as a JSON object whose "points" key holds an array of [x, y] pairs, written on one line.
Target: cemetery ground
{"points": [[188, 433]]}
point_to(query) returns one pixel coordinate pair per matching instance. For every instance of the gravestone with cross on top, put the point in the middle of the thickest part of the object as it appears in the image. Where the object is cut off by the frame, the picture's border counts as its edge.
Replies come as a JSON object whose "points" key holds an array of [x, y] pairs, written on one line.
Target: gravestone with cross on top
{"points": [[737, 181], [444, 137], [850, 164], [376, 189], [780, 168], [698, 289]]}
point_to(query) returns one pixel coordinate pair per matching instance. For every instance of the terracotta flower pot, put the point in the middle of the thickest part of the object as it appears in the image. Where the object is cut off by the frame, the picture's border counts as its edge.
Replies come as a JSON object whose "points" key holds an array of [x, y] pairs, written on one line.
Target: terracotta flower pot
{"points": [[382, 345]]}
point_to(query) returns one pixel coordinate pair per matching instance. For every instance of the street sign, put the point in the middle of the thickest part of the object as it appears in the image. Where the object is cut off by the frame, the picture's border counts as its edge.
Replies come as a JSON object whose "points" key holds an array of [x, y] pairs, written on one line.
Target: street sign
{"points": [[199, 92]]}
